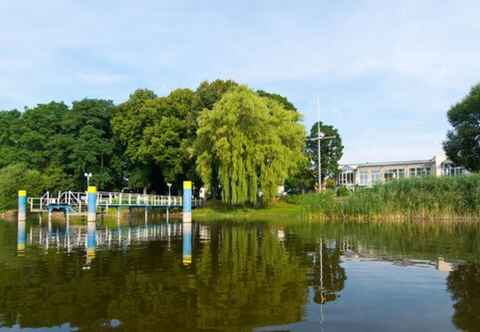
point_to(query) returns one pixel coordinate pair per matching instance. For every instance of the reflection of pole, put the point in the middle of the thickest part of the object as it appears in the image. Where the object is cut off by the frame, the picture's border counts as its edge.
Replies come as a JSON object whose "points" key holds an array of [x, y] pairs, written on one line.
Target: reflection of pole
{"points": [[91, 241], [21, 238], [187, 243], [67, 233], [321, 280]]}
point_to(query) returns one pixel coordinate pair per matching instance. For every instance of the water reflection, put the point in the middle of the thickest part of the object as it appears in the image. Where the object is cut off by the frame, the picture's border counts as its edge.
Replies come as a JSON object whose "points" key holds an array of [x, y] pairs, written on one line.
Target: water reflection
{"points": [[198, 277], [464, 285], [21, 237]]}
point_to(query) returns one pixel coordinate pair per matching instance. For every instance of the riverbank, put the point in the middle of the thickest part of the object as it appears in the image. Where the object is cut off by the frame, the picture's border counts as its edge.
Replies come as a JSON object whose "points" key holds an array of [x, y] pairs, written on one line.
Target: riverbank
{"points": [[413, 199]]}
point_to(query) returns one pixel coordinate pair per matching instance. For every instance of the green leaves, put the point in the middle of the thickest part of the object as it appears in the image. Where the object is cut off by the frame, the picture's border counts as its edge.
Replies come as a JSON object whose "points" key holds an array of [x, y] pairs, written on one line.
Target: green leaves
{"points": [[250, 144], [462, 145]]}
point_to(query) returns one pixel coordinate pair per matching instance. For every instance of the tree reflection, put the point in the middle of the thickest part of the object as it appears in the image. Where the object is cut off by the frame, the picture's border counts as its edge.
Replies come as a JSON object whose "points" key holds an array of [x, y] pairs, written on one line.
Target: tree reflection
{"points": [[464, 284], [329, 277], [241, 278]]}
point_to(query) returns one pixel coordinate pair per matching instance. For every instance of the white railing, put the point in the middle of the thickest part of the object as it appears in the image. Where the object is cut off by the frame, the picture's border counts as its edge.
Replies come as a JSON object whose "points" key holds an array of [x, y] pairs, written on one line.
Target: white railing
{"points": [[78, 200]]}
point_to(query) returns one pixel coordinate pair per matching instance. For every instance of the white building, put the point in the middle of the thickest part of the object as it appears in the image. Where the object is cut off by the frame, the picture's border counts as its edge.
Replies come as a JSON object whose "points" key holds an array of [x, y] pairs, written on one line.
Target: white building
{"points": [[370, 173]]}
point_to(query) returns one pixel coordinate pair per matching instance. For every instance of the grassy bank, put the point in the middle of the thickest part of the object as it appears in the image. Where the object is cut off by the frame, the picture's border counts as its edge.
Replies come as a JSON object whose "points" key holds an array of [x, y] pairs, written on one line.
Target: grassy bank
{"points": [[427, 198], [279, 211]]}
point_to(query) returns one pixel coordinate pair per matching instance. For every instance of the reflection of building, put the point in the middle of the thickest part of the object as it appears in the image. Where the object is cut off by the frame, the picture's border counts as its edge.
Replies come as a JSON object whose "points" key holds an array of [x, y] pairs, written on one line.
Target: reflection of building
{"points": [[369, 173], [444, 266]]}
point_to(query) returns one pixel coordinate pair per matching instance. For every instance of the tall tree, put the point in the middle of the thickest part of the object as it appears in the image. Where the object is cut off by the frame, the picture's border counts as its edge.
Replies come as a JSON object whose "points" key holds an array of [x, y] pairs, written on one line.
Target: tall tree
{"points": [[331, 149], [92, 147], [462, 145], [251, 144], [129, 121]]}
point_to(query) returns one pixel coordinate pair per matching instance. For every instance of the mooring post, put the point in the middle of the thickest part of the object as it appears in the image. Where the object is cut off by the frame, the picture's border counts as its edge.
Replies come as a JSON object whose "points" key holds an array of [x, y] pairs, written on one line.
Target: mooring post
{"points": [[92, 203], [22, 205], [187, 201]]}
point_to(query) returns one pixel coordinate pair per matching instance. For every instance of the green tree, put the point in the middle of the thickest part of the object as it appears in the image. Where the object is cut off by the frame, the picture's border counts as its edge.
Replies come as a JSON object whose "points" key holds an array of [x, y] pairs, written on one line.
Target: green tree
{"points": [[303, 179], [278, 98], [90, 145], [9, 135], [251, 144], [168, 139], [129, 120], [462, 145], [211, 92], [331, 149]]}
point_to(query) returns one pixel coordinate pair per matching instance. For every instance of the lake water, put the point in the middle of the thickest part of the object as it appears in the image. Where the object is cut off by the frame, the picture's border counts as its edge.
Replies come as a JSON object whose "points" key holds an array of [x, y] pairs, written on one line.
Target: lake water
{"points": [[285, 276]]}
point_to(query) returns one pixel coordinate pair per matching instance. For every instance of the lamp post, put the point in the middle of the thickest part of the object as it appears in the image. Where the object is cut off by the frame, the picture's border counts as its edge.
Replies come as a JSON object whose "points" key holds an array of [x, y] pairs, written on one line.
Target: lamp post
{"points": [[88, 176]]}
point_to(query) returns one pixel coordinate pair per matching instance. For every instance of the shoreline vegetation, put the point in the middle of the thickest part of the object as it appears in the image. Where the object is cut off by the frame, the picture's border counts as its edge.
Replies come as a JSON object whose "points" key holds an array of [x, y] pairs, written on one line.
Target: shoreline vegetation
{"points": [[412, 199], [430, 199]]}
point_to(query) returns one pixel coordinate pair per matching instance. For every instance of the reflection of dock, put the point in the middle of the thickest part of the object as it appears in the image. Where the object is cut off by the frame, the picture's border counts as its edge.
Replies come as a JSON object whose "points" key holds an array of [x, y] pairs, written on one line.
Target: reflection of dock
{"points": [[74, 237]]}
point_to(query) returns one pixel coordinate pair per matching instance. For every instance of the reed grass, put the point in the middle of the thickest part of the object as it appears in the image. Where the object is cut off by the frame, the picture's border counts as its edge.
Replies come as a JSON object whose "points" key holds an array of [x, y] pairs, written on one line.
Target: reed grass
{"points": [[413, 198]]}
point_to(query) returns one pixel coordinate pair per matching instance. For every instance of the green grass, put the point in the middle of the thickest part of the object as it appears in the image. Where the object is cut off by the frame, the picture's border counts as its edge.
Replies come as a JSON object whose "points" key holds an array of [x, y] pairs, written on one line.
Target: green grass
{"points": [[215, 211]]}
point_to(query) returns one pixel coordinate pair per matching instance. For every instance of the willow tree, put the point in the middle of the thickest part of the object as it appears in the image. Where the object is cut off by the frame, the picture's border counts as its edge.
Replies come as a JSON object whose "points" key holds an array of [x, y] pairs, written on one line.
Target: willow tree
{"points": [[249, 145]]}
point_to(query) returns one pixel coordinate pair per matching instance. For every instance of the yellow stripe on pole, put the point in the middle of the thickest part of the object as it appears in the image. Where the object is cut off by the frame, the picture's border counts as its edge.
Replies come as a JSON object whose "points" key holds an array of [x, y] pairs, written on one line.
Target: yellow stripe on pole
{"points": [[92, 189], [22, 193], [187, 184]]}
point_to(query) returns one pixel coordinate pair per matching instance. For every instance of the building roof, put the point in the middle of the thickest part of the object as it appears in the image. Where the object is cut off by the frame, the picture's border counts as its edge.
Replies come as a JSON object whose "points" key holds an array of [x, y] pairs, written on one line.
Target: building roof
{"points": [[388, 163]]}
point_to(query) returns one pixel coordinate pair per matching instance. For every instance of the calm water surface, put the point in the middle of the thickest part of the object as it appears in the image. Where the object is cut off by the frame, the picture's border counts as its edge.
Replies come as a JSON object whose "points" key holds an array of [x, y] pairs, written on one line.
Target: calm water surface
{"points": [[170, 276]]}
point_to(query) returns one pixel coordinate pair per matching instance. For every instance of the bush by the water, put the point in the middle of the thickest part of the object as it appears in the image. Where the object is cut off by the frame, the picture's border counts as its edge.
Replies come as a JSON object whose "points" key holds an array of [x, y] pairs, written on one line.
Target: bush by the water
{"points": [[437, 197], [21, 177]]}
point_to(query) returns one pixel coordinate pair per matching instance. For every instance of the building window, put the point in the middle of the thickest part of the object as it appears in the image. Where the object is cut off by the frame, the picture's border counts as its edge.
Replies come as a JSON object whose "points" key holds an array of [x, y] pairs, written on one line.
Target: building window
{"points": [[363, 175], [346, 178], [420, 171], [452, 170], [376, 176], [394, 173]]}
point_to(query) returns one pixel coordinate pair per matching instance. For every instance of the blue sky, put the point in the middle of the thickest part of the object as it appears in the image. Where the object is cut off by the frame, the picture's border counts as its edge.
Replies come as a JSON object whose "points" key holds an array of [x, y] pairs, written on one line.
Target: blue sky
{"points": [[384, 72]]}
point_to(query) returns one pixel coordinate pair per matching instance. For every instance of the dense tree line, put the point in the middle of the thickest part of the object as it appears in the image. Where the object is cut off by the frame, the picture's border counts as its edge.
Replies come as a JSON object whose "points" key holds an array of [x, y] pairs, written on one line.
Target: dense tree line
{"points": [[241, 143]]}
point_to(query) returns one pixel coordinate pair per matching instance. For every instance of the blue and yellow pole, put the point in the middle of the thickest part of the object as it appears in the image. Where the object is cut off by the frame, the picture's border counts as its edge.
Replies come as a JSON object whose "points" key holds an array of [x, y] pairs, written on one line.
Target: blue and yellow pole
{"points": [[22, 205], [92, 203], [187, 201], [187, 243]]}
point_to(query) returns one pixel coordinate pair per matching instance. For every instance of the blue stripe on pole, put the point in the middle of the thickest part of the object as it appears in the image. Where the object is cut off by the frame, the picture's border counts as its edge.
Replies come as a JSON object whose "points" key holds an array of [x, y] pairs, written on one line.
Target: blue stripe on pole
{"points": [[187, 196]]}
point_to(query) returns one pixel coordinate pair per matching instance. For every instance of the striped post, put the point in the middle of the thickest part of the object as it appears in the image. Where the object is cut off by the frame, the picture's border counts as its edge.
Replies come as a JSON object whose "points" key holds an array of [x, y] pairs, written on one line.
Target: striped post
{"points": [[92, 203], [187, 201], [22, 205], [187, 243]]}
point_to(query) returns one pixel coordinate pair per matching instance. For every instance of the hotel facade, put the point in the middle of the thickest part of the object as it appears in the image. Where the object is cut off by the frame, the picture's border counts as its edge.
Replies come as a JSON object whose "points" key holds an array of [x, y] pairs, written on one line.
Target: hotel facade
{"points": [[369, 173]]}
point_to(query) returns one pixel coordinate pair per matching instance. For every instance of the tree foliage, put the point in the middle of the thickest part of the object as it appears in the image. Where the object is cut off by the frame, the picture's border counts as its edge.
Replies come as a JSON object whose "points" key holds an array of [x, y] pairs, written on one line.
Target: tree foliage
{"points": [[331, 149], [462, 145], [149, 140], [250, 143]]}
